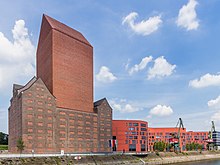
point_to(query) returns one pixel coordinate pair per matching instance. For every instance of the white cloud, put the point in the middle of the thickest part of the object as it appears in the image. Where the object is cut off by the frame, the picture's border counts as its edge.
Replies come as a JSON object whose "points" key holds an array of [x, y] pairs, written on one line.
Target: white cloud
{"points": [[216, 118], [187, 17], [126, 65], [214, 103], [17, 57], [142, 65], [161, 68], [123, 107], [145, 27], [205, 81], [105, 75], [161, 110]]}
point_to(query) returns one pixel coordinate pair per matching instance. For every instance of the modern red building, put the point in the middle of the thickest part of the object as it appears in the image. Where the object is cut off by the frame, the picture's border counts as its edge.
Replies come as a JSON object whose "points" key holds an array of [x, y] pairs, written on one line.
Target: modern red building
{"points": [[136, 136], [197, 137], [165, 134], [131, 135]]}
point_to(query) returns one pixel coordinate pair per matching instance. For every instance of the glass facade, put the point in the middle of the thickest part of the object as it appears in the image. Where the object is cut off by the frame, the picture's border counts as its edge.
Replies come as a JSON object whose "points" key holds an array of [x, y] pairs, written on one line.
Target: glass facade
{"points": [[216, 138]]}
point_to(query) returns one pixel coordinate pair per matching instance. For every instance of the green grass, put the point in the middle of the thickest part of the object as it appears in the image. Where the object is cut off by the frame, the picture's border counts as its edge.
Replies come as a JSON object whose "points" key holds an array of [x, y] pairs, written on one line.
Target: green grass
{"points": [[3, 147]]}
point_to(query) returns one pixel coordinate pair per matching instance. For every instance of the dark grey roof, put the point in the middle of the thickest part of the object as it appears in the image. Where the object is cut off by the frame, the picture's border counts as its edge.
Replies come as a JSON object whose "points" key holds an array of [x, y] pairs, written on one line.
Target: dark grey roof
{"points": [[99, 102], [28, 85], [16, 86]]}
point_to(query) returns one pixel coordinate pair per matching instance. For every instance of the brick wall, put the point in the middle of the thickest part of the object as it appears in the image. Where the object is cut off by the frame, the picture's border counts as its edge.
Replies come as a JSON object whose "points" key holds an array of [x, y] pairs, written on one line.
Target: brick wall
{"points": [[65, 64], [38, 115], [15, 121], [104, 112], [76, 131]]}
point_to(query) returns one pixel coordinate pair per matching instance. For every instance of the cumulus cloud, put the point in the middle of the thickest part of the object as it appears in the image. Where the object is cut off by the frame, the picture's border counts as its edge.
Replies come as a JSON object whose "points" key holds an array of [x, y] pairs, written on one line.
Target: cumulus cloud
{"points": [[105, 75], [123, 106], [205, 81], [142, 65], [214, 103], [145, 27], [161, 68], [161, 110], [187, 17], [17, 57]]}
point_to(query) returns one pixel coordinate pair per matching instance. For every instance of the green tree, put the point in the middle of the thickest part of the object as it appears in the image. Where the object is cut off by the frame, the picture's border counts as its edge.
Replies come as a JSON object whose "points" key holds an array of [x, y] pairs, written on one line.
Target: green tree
{"points": [[196, 146], [20, 145], [188, 147], [168, 146], [3, 138], [159, 146], [200, 147], [193, 146], [155, 146]]}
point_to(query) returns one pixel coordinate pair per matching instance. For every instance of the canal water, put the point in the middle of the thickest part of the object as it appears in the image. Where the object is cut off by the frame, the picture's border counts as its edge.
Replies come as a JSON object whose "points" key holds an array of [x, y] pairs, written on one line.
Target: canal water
{"points": [[212, 162]]}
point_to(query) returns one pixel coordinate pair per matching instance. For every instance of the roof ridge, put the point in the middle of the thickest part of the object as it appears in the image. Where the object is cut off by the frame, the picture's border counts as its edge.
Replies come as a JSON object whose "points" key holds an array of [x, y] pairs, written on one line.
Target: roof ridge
{"points": [[28, 85], [65, 29]]}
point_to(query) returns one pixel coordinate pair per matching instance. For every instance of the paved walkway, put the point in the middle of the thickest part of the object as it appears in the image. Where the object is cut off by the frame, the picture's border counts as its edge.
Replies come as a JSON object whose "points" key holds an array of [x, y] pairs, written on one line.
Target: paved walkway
{"points": [[58, 154]]}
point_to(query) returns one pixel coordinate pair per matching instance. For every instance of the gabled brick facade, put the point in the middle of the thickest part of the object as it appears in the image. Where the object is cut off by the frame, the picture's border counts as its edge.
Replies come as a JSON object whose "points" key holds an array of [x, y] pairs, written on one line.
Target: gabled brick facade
{"points": [[45, 128], [104, 111], [32, 118]]}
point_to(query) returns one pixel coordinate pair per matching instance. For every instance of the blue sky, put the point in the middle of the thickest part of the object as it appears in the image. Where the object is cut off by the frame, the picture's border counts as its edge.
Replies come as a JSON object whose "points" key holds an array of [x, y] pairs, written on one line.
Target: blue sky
{"points": [[153, 60]]}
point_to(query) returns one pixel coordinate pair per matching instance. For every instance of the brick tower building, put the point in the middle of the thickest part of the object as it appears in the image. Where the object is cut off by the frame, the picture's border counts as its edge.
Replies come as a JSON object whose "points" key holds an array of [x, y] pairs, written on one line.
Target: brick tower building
{"points": [[65, 64], [55, 111]]}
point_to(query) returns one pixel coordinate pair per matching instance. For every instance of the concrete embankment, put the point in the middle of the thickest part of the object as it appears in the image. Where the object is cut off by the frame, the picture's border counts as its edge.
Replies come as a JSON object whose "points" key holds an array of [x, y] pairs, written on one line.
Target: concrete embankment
{"points": [[150, 159], [173, 158], [64, 160]]}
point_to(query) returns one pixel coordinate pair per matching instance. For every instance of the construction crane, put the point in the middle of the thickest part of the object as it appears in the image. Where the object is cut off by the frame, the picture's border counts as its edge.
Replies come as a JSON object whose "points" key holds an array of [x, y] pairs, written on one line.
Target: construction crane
{"points": [[179, 125], [175, 137], [212, 129], [210, 137]]}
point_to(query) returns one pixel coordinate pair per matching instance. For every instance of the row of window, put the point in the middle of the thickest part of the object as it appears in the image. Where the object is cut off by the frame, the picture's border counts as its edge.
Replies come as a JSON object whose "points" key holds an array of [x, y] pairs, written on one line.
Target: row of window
{"points": [[137, 124], [135, 133], [135, 142], [182, 134], [135, 137], [137, 129]]}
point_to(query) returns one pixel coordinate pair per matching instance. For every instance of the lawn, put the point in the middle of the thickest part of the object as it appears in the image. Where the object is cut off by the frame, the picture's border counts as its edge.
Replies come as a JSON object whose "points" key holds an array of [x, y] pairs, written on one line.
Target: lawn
{"points": [[3, 147]]}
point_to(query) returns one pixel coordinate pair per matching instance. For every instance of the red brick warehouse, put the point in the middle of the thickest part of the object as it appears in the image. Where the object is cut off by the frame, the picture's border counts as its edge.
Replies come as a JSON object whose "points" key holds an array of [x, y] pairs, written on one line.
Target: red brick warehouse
{"points": [[55, 111]]}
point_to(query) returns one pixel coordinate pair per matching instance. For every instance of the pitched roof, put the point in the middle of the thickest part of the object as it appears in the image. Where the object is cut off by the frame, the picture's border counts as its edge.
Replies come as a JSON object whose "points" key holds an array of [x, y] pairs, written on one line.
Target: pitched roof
{"points": [[99, 102], [17, 86], [66, 29], [28, 85]]}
